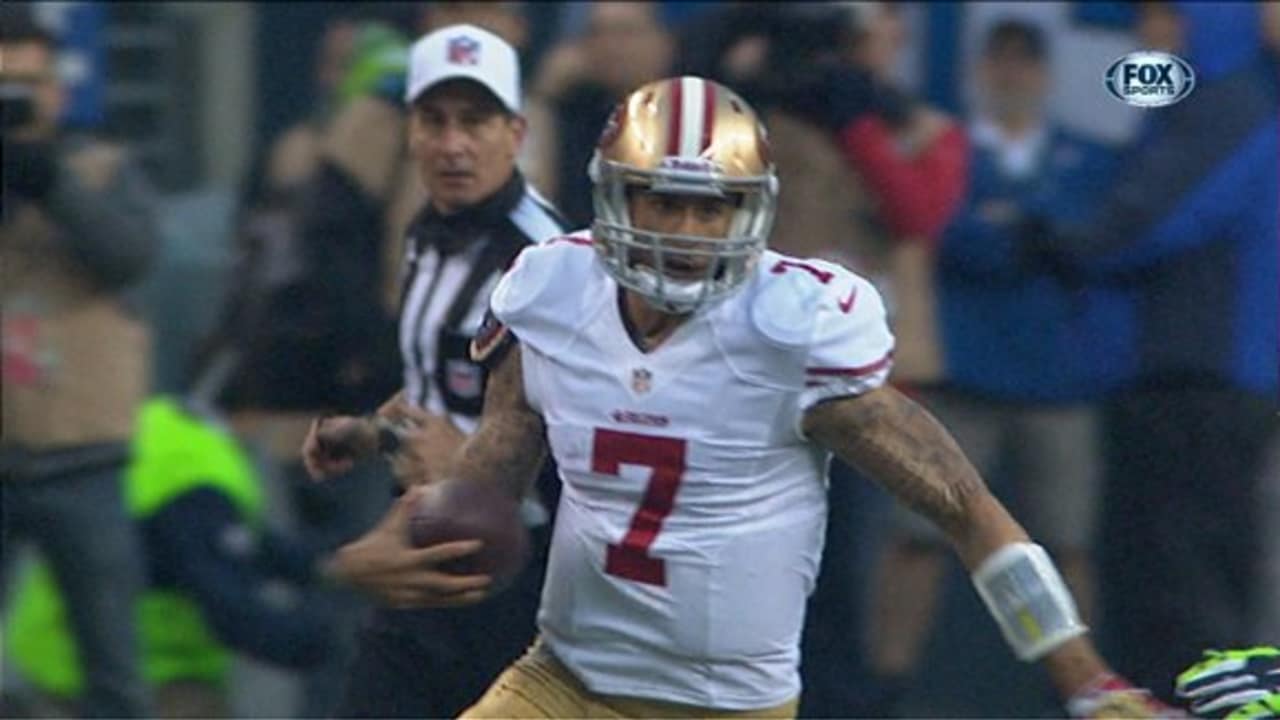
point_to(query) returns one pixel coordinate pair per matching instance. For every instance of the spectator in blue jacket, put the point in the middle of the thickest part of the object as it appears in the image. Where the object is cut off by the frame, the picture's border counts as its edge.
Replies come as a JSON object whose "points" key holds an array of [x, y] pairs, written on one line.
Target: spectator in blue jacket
{"points": [[1191, 227], [1018, 385]]}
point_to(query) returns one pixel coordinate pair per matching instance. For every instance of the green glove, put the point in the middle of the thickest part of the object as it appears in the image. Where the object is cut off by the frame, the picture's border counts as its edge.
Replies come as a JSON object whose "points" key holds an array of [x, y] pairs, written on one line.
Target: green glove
{"points": [[379, 62], [1234, 684]]}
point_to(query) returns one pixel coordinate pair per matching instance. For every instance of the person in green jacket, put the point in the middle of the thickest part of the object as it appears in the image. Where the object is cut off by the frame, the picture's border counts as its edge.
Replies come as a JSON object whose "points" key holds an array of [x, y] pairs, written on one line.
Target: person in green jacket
{"points": [[218, 580]]}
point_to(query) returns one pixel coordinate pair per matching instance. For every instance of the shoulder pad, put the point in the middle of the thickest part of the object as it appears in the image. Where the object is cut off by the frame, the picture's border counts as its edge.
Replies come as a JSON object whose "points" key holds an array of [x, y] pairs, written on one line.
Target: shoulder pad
{"points": [[541, 298], [538, 270], [790, 294]]}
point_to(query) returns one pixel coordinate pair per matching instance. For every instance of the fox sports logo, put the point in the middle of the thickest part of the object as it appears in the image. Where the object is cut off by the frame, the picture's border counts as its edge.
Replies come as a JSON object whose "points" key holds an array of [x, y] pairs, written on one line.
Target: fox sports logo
{"points": [[1150, 79]]}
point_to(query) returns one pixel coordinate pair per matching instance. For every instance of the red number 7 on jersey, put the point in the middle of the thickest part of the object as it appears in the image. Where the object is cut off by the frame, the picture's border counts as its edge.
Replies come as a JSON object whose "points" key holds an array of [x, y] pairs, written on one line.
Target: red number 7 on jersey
{"points": [[610, 449]]}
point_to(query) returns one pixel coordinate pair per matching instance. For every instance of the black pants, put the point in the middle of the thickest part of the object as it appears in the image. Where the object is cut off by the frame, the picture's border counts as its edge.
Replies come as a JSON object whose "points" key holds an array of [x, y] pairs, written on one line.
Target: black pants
{"points": [[1180, 541], [436, 663]]}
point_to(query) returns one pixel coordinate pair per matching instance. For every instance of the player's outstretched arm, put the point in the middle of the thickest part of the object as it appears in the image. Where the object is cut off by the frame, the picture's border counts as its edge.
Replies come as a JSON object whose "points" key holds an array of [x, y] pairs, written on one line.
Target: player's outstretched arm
{"points": [[900, 445], [893, 440], [510, 444]]}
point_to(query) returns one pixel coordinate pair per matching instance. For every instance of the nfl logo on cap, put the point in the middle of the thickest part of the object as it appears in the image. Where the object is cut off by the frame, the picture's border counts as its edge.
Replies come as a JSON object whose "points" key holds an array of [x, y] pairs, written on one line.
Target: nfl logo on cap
{"points": [[463, 50]]}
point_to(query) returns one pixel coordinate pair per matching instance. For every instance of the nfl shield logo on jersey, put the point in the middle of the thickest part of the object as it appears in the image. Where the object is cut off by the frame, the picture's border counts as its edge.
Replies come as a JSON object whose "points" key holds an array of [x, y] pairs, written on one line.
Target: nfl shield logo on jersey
{"points": [[641, 380], [463, 50]]}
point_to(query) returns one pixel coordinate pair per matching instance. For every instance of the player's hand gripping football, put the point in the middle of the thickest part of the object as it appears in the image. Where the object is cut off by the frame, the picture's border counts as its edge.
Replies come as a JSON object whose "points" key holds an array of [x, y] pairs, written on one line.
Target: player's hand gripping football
{"points": [[385, 564], [1234, 684]]}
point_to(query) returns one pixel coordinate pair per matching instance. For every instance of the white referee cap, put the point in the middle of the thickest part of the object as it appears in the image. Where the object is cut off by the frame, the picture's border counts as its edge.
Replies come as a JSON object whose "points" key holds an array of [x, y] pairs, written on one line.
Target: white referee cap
{"points": [[464, 52]]}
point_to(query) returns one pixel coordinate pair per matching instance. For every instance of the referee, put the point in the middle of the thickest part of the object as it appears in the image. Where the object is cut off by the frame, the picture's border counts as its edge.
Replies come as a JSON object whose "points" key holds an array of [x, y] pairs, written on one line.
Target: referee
{"points": [[465, 131]]}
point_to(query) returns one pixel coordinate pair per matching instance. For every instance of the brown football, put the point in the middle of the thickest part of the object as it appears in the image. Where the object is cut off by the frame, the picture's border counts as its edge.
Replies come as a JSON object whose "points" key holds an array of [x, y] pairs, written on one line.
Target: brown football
{"points": [[469, 509]]}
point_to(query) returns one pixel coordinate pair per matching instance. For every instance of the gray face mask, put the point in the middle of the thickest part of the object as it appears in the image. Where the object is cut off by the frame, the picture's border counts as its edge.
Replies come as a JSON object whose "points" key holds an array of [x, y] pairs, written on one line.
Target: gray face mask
{"points": [[649, 263]]}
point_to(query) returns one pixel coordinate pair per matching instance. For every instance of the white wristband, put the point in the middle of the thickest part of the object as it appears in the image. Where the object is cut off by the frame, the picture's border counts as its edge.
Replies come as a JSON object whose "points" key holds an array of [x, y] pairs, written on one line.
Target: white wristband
{"points": [[1028, 599]]}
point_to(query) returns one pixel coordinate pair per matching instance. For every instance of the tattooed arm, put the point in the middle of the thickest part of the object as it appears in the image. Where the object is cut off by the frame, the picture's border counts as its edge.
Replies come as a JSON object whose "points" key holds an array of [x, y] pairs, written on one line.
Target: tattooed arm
{"points": [[896, 442], [899, 444], [510, 444]]}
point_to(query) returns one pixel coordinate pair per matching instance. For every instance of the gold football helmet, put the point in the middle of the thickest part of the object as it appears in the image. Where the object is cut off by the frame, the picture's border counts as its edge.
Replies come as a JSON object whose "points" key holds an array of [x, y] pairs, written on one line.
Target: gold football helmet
{"points": [[692, 136]]}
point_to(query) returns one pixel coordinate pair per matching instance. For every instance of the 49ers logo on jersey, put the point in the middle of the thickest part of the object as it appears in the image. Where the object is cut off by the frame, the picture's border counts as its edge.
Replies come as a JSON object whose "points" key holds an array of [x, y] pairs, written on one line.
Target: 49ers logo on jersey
{"points": [[633, 417]]}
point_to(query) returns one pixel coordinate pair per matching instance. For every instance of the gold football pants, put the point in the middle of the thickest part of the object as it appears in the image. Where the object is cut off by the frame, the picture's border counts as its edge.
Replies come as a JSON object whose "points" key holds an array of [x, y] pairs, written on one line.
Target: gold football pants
{"points": [[540, 686]]}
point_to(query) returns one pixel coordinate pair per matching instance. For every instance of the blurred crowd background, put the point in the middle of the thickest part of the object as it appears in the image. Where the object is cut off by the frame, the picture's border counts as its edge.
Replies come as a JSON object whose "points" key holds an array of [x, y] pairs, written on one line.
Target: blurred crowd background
{"points": [[1084, 292]]}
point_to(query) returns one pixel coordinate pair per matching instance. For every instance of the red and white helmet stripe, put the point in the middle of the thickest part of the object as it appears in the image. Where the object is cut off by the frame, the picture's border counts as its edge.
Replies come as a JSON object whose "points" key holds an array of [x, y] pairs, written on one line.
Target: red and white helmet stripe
{"points": [[693, 117]]}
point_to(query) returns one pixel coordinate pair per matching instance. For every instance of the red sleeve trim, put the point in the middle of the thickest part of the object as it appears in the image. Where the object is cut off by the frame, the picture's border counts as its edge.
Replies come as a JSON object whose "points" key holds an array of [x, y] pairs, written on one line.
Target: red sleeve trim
{"points": [[867, 369]]}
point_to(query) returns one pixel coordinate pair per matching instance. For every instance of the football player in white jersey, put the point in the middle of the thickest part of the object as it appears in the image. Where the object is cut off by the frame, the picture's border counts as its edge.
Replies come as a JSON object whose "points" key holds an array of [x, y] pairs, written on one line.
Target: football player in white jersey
{"points": [[692, 386]]}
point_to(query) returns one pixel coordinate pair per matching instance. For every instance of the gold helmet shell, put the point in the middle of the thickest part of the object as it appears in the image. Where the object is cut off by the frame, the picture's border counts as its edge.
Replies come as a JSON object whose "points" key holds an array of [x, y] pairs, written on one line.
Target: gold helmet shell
{"points": [[683, 135]]}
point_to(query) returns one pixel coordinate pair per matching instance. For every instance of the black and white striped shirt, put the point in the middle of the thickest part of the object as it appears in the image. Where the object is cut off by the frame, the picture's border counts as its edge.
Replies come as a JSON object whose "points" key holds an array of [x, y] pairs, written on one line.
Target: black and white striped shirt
{"points": [[452, 264]]}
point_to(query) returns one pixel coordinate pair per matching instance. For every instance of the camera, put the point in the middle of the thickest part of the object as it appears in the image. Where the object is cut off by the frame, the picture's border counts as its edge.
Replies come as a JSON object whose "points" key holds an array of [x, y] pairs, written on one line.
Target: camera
{"points": [[29, 167], [17, 104]]}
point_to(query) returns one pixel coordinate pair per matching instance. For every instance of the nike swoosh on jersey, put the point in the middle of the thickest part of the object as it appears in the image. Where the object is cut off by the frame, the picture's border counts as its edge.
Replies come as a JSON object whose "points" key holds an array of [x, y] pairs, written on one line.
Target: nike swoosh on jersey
{"points": [[847, 304]]}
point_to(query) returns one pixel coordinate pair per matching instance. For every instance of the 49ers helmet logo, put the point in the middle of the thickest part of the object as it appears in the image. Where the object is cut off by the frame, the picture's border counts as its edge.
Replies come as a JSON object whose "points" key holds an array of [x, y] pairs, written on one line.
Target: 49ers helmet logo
{"points": [[613, 128]]}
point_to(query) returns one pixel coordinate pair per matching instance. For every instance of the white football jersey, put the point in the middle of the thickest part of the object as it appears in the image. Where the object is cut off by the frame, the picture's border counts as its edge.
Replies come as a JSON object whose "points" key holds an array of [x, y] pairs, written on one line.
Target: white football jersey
{"points": [[691, 521]]}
